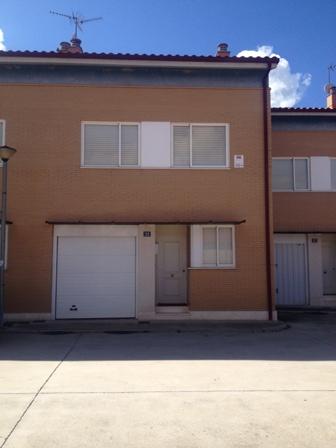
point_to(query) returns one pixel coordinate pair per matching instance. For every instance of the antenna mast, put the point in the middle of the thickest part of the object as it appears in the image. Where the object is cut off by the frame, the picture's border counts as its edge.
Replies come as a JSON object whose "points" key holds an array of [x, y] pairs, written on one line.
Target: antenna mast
{"points": [[76, 19], [331, 68]]}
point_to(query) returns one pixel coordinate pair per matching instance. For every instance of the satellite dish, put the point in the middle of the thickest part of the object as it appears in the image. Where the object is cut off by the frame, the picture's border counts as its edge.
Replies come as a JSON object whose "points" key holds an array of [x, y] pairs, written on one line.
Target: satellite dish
{"points": [[328, 88]]}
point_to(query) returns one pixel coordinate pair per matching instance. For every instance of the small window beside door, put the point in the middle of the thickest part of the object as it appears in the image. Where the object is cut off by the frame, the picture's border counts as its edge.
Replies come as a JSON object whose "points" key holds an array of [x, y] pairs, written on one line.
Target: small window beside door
{"points": [[213, 246], [290, 174]]}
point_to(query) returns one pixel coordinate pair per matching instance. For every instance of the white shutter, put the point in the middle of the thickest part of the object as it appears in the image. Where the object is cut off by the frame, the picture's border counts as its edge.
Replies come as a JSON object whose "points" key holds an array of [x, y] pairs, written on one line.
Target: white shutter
{"points": [[209, 246], [208, 145], [101, 145], [333, 173], [181, 146], [129, 145], [225, 249]]}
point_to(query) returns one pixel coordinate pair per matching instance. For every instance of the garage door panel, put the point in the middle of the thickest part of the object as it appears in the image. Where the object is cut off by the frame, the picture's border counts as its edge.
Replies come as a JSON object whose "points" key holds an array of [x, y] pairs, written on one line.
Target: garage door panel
{"points": [[119, 283], [95, 264], [95, 277], [97, 246], [71, 310]]}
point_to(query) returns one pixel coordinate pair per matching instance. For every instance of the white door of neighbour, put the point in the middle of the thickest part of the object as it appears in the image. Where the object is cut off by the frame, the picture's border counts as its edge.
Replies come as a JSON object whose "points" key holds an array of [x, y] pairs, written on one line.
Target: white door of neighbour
{"points": [[95, 277], [291, 270], [329, 264], [171, 265]]}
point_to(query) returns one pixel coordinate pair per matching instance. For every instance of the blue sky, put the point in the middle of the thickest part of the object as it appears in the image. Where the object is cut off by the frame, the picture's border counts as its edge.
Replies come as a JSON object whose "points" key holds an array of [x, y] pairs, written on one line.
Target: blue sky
{"points": [[301, 31]]}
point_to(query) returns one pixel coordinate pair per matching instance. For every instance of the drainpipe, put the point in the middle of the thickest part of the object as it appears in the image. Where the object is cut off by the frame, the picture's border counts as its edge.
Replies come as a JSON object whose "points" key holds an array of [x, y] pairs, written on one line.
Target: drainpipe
{"points": [[267, 194]]}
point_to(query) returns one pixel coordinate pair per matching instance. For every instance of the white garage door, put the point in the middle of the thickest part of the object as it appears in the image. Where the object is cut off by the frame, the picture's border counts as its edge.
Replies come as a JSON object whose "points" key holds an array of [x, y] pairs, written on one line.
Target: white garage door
{"points": [[95, 277]]}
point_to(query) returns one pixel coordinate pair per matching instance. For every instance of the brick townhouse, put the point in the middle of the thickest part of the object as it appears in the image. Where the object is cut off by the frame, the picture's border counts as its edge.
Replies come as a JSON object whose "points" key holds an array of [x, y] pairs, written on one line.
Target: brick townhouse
{"points": [[142, 186], [304, 204]]}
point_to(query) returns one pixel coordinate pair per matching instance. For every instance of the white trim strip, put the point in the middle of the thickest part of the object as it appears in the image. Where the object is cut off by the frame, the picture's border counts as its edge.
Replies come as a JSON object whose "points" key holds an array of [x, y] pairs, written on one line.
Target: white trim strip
{"points": [[303, 114], [210, 316], [132, 63]]}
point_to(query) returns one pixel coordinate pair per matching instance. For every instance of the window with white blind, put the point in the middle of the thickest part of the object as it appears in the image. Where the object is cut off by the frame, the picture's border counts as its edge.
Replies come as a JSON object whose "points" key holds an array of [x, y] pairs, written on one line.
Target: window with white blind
{"points": [[333, 173], [218, 246], [200, 145], [110, 144], [290, 174]]}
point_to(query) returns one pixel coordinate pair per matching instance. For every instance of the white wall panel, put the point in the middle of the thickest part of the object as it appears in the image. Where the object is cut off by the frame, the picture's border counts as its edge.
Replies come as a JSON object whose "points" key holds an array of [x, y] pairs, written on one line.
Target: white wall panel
{"points": [[196, 246], [155, 144], [320, 174]]}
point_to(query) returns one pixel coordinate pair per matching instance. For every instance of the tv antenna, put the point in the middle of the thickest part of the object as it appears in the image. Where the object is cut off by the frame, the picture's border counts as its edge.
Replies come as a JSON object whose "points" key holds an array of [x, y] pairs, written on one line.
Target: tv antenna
{"points": [[331, 68], [76, 19]]}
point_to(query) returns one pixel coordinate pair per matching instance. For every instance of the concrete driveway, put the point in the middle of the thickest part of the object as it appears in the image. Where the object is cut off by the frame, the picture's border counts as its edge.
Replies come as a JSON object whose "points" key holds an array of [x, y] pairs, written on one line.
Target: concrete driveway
{"points": [[206, 388]]}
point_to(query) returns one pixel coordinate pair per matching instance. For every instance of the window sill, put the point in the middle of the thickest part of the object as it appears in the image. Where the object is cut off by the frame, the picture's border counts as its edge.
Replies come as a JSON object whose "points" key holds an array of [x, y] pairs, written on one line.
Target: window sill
{"points": [[133, 167], [207, 268]]}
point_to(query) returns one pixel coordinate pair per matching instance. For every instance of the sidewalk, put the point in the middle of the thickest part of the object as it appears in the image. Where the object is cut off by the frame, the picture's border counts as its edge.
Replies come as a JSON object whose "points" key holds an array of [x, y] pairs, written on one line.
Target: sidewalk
{"points": [[116, 326]]}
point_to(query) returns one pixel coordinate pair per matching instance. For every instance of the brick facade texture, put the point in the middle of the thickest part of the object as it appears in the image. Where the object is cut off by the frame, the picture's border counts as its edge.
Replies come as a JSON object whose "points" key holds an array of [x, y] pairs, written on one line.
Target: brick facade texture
{"points": [[304, 211], [46, 182]]}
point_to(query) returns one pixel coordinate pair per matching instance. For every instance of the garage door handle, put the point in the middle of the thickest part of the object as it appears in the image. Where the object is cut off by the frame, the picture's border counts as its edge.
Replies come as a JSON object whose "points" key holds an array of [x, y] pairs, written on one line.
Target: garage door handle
{"points": [[73, 308], [325, 272]]}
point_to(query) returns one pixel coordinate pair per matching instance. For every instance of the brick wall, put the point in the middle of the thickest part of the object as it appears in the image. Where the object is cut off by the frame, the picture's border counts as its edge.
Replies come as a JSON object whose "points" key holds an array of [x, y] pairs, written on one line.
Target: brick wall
{"points": [[47, 183], [304, 211]]}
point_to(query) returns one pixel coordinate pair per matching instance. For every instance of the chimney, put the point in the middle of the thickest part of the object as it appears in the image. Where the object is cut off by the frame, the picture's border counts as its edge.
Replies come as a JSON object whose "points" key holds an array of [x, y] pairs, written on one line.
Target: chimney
{"points": [[73, 47], [331, 98], [222, 51], [64, 47]]}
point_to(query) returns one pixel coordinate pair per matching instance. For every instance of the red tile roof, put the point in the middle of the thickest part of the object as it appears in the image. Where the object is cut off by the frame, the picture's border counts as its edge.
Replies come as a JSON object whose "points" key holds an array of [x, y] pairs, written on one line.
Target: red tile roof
{"points": [[137, 57], [302, 110]]}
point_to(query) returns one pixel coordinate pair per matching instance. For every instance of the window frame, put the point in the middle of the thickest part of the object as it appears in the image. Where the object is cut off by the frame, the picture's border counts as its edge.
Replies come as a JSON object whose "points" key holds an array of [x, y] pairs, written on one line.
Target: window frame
{"points": [[220, 265], [110, 123], [195, 167], [331, 188], [294, 189], [3, 142], [3, 122]]}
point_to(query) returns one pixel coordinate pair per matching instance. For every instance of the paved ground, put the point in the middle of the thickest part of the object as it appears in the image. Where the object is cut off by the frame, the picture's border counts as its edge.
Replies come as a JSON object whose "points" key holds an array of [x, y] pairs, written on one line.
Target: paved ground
{"points": [[204, 388]]}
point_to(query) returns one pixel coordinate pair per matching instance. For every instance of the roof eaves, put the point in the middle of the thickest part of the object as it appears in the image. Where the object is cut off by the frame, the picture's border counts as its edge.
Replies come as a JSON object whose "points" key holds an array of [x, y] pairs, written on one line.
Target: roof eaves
{"points": [[136, 57], [302, 111]]}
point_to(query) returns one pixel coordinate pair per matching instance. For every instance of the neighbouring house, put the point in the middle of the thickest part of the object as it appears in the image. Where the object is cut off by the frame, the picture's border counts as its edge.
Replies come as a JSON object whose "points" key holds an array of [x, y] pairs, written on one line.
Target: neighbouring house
{"points": [[304, 204], [142, 187]]}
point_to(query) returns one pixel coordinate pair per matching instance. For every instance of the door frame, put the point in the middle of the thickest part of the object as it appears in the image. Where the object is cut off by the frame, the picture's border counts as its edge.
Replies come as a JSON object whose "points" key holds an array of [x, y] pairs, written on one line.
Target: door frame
{"points": [[187, 264], [294, 238], [91, 230]]}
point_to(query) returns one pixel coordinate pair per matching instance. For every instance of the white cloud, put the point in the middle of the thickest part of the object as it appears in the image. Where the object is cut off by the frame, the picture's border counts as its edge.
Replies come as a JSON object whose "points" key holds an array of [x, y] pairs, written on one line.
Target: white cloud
{"points": [[287, 88], [2, 38]]}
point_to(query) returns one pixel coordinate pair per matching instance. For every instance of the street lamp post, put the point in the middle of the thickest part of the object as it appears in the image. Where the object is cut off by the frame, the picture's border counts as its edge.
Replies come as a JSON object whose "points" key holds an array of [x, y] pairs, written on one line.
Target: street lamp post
{"points": [[6, 152]]}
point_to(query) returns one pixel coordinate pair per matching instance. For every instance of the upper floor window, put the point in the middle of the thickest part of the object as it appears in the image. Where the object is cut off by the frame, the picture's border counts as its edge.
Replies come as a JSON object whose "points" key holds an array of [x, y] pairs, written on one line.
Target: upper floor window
{"points": [[200, 145], [290, 174], [110, 144]]}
